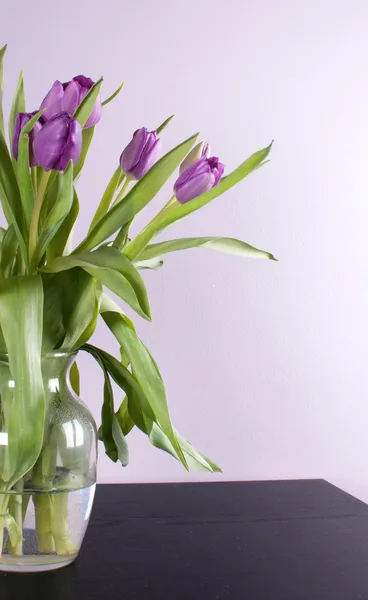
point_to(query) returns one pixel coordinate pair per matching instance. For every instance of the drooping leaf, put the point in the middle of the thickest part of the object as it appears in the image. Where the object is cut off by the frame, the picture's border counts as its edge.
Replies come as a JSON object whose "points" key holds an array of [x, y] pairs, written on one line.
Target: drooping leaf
{"points": [[80, 305], [11, 202], [87, 135], [106, 198], [75, 378], [120, 441], [124, 419], [138, 197], [84, 110], [21, 307], [113, 270], [57, 214], [177, 211], [163, 125], [59, 243], [145, 371], [18, 105], [27, 194], [113, 96], [2, 54], [227, 245], [151, 264], [53, 322]]}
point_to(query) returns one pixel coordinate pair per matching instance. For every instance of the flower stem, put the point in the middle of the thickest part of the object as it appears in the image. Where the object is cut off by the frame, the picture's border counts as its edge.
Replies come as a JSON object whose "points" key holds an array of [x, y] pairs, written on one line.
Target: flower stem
{"points": [[60, 525], [43, 514], [122, 192], [33, 230], [34, 178], [4, 499], [135, 247], [16, 510]]}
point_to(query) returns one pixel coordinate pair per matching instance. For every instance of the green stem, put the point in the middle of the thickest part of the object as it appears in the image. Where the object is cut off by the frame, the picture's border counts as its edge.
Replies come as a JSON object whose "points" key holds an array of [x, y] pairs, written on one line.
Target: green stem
{"points": [[60, 525], [16, 510], [34, 178], [122, 192], [136, 246], [33, 230], [121, 238], [43, 514], [4, 499]]}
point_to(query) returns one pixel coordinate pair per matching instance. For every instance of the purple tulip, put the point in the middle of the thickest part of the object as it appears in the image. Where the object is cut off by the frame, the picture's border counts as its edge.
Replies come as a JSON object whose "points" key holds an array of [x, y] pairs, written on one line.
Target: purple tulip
{"points": [[66, 97], [20, 121], [198, 179], [199, 151], [141, 153], [58, 142]]}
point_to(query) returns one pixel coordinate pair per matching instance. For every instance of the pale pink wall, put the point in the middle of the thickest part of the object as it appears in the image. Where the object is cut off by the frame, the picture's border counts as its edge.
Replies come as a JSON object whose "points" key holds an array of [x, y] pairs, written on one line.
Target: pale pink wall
{"points": [[265, 364]]}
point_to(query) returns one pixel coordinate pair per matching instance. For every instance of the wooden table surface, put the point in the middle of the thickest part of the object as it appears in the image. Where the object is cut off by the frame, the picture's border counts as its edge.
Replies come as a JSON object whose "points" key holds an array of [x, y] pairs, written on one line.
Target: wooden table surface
{"points": [[277, 540]]}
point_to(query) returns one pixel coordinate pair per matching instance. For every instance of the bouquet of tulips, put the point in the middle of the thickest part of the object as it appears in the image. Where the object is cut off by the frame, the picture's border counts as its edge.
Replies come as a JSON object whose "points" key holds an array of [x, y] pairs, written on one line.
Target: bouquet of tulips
{"points": [[39, 170]]}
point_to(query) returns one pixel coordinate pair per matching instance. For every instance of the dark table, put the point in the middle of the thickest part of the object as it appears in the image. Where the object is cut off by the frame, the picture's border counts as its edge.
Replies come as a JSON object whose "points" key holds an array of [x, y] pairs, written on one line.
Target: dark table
{"points": [[279, 540]]}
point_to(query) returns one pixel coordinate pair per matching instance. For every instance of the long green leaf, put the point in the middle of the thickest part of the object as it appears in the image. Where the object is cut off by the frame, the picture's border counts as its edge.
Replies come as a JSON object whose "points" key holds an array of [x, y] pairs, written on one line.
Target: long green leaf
{"points": [[146, 373], [151, 264], [227, 245], [27, 193], [21, 306], [138, 197], [106, 198], [57, 214], [2, 54], [9, 249], [84, 110], [113, 270], [163, 125], [75, 378], [59, 243], [87, 135], [11, 202], [177, 211], [113, 96], [124, 419], [18, 105]]}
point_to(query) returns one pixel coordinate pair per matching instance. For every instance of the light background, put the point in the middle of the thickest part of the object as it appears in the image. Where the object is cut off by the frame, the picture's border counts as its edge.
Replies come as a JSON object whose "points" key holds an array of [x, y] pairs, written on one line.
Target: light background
{"points": [[265, 363]]}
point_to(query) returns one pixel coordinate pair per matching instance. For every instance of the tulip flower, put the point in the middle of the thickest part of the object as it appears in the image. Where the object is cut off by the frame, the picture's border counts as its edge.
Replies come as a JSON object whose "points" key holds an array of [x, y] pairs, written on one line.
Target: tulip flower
{"points": [[140, 154], [20, 121], [199, 151], [58, 142], [198, 179], [66, 97]]}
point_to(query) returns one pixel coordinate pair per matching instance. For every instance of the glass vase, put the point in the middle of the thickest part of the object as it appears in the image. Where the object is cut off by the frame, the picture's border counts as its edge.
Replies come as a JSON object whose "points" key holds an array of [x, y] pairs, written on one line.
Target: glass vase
{"points": [[44, 516]]}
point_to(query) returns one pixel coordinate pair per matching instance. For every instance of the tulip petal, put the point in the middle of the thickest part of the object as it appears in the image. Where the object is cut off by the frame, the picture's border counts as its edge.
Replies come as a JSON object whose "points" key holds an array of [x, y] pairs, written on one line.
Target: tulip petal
{"points": [[59, 140], [195, 186], [52, 100], [71, 98]]}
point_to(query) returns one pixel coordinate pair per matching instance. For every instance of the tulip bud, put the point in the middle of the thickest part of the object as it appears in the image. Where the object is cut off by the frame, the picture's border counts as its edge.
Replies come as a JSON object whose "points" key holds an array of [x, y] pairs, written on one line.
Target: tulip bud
{"points": [[66, 97], [141, 153], [201, 150], [58, 142], [198, 179], [20, 121]]}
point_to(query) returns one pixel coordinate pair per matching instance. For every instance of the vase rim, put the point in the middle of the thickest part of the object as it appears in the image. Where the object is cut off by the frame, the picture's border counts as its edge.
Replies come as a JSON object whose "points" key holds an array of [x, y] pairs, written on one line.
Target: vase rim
{"points": [[53, 354]]}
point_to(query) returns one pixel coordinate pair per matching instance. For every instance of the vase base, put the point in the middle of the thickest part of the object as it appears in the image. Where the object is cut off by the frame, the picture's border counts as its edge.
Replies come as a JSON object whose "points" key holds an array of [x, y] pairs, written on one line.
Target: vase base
{"points": [[34, 564]]}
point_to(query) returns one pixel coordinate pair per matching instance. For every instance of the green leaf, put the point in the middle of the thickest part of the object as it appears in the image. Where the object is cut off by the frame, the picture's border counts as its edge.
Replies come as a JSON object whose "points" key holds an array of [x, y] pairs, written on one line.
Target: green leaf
{"points": [[15, 534], [106, 198], [8, 251], [53, 323], [27, 193], [57, 214], [177, 211], [227, 245], [113, 270], [124, 419], [87, 135], [21, 306], [138, 197], [146, 372], [120, 441], [11, 202], [2, 54], [151, 264], [58, 244], [113, 96], [80, 305], [75, 378], [164, 125], [18, 105], [84, 110]]}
